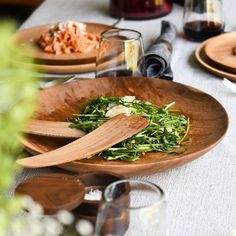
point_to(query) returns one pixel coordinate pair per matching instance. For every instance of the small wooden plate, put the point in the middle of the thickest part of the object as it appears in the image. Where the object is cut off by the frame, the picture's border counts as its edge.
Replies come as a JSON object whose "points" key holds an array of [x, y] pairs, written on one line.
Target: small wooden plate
{"points": [[31, 35], [62, 69], [209, 120], [220, 50], [70, 69], [209, 64], [54, 191]]}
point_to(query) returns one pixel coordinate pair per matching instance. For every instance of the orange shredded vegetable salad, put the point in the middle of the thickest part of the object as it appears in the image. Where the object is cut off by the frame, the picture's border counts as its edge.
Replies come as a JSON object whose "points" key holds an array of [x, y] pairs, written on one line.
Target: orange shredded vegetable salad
{"points": [[68, 37]]}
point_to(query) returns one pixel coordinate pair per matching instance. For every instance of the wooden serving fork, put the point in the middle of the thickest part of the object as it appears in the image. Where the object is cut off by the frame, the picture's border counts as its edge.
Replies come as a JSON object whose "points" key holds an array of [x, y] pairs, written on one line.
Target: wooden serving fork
{"points": [[55, 129], [110, 133]]}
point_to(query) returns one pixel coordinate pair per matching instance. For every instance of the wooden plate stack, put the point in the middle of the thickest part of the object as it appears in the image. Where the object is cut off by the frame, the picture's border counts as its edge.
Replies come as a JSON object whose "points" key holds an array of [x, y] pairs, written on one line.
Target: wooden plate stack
{"points": [[63, 63], [218, 55]]}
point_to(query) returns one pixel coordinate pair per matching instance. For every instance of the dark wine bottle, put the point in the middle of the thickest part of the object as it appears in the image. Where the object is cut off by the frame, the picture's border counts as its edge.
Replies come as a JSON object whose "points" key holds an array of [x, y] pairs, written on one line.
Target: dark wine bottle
{"points": [[140, 9]]}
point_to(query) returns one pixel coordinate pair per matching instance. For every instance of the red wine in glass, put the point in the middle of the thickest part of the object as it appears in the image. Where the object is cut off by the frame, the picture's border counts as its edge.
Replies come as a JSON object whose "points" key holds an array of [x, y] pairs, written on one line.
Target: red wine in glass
{"points": [[202, 29]]}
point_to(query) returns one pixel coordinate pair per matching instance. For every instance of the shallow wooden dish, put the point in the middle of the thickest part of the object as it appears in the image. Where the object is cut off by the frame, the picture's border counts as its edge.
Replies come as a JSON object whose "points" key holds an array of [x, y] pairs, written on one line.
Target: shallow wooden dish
{"points": [[209, 120], [62, 69], [68, 69], [220, 50], [209, 64], [31, 36]]}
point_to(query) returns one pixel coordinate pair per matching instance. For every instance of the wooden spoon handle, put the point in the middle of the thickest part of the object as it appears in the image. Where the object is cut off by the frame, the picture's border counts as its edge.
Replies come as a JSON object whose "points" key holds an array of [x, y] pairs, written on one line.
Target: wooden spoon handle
{"points": [[110, 133], [53, 129]]}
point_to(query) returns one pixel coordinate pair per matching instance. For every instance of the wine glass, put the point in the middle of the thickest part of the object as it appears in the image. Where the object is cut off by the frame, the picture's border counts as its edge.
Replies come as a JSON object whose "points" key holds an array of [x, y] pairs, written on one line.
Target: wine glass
{"points": [[131, 207], [203, 19], [120, 53]]}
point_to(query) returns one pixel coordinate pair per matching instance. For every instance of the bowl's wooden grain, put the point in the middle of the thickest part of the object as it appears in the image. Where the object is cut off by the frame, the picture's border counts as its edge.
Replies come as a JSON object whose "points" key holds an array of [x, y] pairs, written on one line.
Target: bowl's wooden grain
{"points": [[209, 120]]}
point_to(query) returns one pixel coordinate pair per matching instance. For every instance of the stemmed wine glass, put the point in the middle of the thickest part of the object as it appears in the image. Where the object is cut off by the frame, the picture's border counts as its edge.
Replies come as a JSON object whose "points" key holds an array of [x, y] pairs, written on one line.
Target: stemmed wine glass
{"points": [[120, 53]]}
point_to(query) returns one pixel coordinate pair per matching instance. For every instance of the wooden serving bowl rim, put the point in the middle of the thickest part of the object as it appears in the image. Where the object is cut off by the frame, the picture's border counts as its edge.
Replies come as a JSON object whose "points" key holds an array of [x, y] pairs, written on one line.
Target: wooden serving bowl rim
{"points": [[209, 120]]}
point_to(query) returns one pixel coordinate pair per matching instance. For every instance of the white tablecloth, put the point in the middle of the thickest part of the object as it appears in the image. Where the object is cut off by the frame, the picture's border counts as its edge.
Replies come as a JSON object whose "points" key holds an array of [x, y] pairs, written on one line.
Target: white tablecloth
{"points": [[202, 194]]}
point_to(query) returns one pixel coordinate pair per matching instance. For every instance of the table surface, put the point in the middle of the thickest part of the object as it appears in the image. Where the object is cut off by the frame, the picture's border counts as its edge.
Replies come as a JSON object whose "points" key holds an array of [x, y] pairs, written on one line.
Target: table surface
{"points": [[201, 195]]}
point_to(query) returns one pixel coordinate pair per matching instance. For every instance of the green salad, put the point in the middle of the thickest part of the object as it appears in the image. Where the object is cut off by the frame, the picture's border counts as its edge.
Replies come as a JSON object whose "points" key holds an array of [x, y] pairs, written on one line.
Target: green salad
{"points": [[166, 131]]}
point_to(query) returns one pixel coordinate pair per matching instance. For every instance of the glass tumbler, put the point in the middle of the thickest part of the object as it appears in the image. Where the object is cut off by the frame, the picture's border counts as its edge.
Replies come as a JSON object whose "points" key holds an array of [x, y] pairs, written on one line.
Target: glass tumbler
{"points": [[203, 19], [120, 53], [131, 208]]}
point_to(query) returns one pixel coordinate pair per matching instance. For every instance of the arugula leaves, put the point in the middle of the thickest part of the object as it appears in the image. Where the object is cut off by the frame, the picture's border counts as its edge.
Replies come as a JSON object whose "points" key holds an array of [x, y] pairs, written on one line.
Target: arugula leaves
{"points": [[166, 130]]}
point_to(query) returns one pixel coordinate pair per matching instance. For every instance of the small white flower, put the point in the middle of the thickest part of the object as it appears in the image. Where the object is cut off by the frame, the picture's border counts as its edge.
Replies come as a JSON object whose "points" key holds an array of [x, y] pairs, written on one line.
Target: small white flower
{"points": [[17, 226], [27, 202], [35, 227], [65, 217], [36, 211], [84, 227], [52, 226], [34, 208]]}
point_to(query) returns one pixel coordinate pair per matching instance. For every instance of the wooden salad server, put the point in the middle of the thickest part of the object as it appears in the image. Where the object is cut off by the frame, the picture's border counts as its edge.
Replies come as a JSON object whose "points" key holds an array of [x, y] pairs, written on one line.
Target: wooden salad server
{"points": [[110, 133], [55, 129]]}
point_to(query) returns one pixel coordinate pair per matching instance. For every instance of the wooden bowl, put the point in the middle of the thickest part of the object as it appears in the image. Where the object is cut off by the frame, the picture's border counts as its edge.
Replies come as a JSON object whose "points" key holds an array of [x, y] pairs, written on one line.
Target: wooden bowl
{"points": [[92, 181], [209, 120]]}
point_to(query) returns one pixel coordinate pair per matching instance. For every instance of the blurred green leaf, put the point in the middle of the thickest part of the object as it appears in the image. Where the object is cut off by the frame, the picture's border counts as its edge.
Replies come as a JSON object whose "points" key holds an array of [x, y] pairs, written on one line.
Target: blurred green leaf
{"points": [[18, 89]]}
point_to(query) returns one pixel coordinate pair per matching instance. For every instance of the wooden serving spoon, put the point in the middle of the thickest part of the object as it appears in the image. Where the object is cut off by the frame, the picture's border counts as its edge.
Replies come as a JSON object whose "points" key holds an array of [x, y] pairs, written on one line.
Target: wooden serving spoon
{"points": [[110, 133], [53, 129]]}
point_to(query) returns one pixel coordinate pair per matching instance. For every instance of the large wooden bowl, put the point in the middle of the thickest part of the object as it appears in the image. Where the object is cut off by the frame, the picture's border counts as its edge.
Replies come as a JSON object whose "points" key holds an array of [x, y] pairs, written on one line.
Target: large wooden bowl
{"points": [[209, 120]]}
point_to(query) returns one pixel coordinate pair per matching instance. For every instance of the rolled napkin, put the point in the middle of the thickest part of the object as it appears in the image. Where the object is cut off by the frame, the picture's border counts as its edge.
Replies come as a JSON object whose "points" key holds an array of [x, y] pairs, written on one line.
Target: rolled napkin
{"points": [[157, 57]]}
